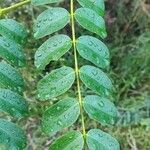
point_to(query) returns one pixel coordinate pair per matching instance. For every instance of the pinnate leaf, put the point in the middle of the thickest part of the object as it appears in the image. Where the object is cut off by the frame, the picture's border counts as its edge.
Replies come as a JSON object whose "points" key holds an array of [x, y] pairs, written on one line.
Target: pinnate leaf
{"points": [[73, 140], [13, 103], [56, 83], [96, 80], [93, 50], [52, 49], [91, 21], [12, 136], [50, 21], [12, 52], [10, 78], [99, 140], [61, 115], [97, 5], [100, 109], [43, 2], [11, 29]]}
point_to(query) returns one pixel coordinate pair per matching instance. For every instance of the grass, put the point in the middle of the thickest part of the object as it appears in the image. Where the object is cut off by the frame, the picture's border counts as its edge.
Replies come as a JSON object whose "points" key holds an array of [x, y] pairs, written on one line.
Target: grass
{"points": [[128, 24]]}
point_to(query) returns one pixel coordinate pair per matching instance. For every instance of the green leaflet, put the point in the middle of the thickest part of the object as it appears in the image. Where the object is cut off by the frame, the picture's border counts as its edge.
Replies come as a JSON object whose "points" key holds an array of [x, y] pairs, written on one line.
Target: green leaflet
{"points": [[99, 140], [61, 115], [12, 52], [11, 29], [52, 49], [10, 78], [43, 2], [13, 103], [91, 21], [71, 141], [96, 5], [12, 136], [50, 21], [96, 80], [55, 83], [100, 109], [93, 50]]}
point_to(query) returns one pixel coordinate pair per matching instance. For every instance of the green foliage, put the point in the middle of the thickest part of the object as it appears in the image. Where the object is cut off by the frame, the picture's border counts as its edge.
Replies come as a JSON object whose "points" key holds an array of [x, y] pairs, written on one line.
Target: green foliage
{"points": [[65, 112], [12, 136], [99, 140], [50, 21], [71, 140], [60, 115], [11, 83], [39, 2], [56, 83]]}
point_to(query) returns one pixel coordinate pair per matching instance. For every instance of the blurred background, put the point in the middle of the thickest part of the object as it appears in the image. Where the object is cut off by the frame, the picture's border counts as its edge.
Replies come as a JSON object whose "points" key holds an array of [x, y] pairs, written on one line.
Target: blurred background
{"points": [[128, 27]]}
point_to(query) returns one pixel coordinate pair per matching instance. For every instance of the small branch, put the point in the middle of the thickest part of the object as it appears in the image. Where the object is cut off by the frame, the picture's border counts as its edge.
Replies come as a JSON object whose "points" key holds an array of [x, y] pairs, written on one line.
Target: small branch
{"points": [[13, 7]]}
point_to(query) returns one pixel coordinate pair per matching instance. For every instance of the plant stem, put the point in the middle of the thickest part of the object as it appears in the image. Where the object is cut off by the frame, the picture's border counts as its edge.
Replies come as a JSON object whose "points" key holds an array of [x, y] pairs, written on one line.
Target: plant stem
{"points": [[76, 67], [15, 6]]}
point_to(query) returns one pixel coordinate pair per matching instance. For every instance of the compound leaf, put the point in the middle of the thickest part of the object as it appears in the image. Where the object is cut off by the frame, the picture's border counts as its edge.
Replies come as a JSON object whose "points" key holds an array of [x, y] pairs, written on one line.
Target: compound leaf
{"points": [[93, 50], [99, 140], [11, 29], [13, 103], [97, 5], [43, 2], [12, 136], [56, 83], [96, 80], [71, 140], [10, 78], [50, 21], [12, 52], [52, 49], [91, 21], [61, 115], [100, 109]]}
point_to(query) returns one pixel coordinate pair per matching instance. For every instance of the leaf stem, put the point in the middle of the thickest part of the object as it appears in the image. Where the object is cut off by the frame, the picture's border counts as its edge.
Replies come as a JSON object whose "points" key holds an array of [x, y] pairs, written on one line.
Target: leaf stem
{"points": [[13, 7], [76, 67]]}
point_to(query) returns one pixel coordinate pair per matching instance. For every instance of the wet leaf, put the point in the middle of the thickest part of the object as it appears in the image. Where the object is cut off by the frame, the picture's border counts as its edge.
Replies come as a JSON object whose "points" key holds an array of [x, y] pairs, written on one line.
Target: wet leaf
{"points": [[71, 141], [93, 50], [50, 21], [13, 30], [43, 2], [91, 21], [13, 103], [52, 49], [100, 109], [56, 83], [61, 115], [12, 52], [97, 5], [99, 140], [10, 78], [96, 80], [12, 136]]}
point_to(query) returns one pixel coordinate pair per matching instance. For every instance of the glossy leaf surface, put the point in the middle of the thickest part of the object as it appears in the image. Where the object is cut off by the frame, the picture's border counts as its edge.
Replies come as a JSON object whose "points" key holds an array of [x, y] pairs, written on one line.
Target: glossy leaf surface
{"points": [[52, 49], [10, 78], [96, 5], [13, 103], [91, 21], [43, 2], [96, 80], [12, 137], [50, 21], [56, 83], [100, 109], [61, 115], [93, 50], [12, 52], [11, 29], [99, 140], [71, 141]]}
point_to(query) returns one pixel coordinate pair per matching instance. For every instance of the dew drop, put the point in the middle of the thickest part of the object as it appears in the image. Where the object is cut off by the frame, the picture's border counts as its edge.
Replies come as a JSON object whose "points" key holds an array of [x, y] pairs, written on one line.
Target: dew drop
{"points": [[101, 103]]}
